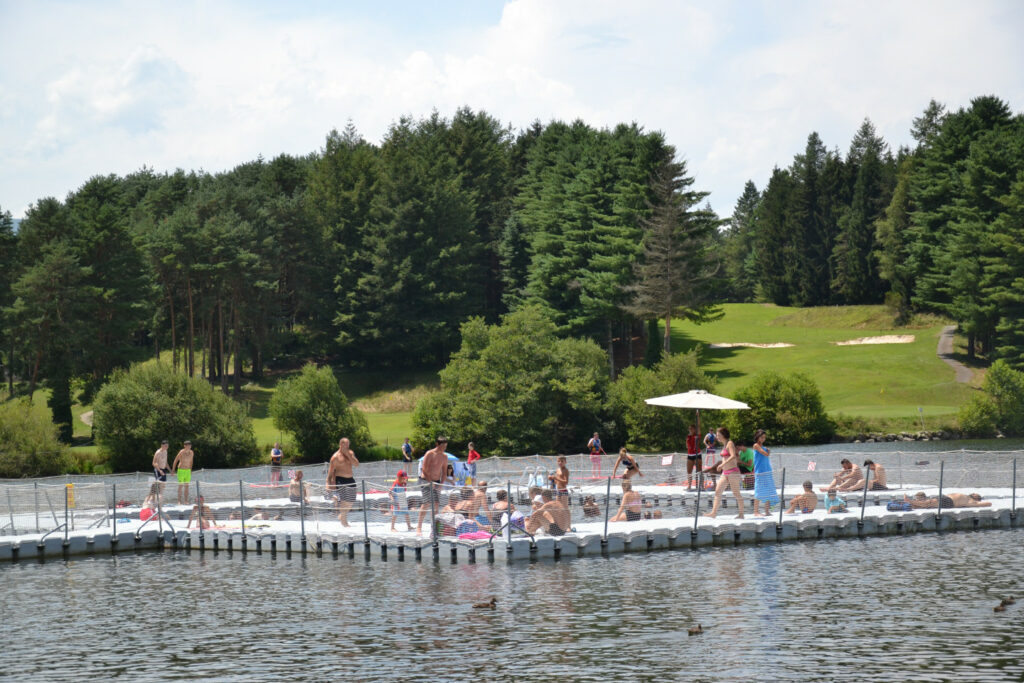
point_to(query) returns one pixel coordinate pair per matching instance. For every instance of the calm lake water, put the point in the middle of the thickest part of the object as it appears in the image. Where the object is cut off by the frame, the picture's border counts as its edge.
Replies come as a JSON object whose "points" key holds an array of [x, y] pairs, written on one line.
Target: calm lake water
{"points": [[905, 608]]}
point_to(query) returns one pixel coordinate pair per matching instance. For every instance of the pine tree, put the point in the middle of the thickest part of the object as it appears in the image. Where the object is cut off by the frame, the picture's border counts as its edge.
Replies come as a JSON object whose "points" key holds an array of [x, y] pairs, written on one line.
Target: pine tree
{"points": [[740, 255]]}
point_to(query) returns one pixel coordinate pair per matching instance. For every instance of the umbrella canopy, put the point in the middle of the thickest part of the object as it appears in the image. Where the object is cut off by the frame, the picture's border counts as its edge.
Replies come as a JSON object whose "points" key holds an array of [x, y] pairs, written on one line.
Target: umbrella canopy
{"points": [[697, 399]]}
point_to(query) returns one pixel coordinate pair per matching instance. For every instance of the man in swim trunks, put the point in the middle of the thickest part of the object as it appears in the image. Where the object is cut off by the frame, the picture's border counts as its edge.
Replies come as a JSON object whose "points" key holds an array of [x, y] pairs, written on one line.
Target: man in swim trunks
{"points": [[560, 479], [953, 500], [183, 469], [805, 502], [878, 479], [552, 515], [433, 468], [848, 472], [160, 468], [340, 479]]}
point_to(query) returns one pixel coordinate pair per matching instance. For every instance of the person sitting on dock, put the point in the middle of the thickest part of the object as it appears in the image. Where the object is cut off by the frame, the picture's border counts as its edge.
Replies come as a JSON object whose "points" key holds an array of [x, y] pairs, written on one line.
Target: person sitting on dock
{"points": [[833, 503], [848, 472], [297, 488], [877, 478], [805, 502], [629, 509], [201, 514], [260, 515], [501, 506], [552, 516], [476, 507]]}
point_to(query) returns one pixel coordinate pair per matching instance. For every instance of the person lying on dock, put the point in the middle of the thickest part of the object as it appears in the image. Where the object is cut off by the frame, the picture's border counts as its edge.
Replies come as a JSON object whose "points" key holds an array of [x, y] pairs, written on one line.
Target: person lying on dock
{"points": [[552, 516], [260, 516], [833, 503], [805, 502], [295, 486], [629, 510], [849, 472], [201, 514], [953, 500]]}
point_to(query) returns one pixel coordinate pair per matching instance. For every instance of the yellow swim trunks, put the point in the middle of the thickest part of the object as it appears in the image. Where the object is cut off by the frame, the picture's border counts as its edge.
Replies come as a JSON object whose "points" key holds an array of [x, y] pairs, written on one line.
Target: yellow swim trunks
{"points": [[184, 476]]}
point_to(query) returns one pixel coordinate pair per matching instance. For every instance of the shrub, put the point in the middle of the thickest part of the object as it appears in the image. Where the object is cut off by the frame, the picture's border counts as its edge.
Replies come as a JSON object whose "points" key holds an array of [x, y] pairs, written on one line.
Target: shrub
{"points": [[656, 428], [139, 407], [788, 408], [28, 443], [1001, 408], [516, 388], [978, 417], [314, 410]]}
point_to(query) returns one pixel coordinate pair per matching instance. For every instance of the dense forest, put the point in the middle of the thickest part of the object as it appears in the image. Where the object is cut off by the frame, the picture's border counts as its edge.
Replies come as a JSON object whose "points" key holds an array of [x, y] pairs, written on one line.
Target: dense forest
{"points": [[371, 255]]}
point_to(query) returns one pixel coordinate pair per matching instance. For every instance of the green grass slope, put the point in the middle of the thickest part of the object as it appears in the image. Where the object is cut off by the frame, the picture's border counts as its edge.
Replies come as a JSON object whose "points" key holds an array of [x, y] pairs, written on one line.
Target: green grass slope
{"points": [[888, 381]]}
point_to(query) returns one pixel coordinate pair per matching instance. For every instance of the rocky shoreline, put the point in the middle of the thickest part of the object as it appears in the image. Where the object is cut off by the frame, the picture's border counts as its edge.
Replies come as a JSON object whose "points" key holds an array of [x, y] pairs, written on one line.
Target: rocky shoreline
{"points": [[880, 437]]}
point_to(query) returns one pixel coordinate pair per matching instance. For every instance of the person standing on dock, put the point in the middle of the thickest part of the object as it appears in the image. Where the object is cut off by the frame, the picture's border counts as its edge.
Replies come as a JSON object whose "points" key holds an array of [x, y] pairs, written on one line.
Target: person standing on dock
{"points": [[433, 464], [471, 459], [730, 474], [183, 470], [160, 468], [341, 480], [407, 454], [560, 479], [276, 456], [692, 458], [764, 480], [595, 455]]}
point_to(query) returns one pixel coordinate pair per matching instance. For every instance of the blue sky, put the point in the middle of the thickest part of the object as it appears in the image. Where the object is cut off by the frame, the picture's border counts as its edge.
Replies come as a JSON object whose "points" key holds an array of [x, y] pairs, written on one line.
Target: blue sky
{"points": [[108, 87]]}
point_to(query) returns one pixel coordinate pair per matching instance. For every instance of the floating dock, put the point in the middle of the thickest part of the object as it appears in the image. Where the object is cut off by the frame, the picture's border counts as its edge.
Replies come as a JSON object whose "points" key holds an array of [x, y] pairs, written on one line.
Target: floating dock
{"points": [[318, 533]]}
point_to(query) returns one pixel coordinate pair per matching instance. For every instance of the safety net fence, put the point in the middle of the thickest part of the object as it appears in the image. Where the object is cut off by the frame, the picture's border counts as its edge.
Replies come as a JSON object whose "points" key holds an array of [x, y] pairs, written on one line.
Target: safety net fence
{"points": [[499, 496]]}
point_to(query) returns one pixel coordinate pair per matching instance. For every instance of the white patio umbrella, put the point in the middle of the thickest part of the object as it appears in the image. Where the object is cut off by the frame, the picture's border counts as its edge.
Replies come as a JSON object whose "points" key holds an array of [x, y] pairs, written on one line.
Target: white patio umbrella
{"points": [[697, 399]]}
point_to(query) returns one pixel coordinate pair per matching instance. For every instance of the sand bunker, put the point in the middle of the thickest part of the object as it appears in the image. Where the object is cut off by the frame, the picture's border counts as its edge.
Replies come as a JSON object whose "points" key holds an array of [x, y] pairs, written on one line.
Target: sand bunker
{"points": [[887, 339], [729, 345]]}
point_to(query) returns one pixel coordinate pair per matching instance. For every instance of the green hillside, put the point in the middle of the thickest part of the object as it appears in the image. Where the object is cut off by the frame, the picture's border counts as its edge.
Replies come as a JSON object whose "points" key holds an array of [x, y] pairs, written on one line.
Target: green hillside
{"points": [[887, 381]]}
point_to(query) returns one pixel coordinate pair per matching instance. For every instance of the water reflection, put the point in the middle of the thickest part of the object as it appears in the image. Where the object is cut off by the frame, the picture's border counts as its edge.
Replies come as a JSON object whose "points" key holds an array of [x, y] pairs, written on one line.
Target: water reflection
{"points": [[917, 607]]}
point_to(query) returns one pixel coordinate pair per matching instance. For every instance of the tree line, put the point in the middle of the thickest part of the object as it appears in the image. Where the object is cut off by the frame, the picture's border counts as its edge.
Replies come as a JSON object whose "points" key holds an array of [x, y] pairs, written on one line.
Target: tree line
{"points": [[358, 254], [936, 227]]}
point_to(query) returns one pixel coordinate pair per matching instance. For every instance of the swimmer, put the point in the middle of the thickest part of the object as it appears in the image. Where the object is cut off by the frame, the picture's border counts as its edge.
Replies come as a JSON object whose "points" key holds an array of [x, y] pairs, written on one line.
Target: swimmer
{"points": [[201, 514]]}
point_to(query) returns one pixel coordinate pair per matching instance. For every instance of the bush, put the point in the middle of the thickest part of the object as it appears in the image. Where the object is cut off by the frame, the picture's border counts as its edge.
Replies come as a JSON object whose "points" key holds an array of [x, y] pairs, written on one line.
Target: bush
{"points": [[314, 410], [28, 443], [1001, 408], [516, 388], [978, 417], [147, 403], [788, 408], [656, 428]]}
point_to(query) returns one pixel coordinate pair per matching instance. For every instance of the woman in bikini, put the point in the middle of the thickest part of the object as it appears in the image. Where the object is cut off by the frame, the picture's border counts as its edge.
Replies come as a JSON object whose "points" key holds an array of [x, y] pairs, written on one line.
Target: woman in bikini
{"points": [[729, 466], [629, 510], [629, 463]]}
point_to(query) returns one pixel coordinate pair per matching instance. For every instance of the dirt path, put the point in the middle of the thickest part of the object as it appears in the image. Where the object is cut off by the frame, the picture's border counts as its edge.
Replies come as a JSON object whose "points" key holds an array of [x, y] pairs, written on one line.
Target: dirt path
{"points": [[945, 351]]}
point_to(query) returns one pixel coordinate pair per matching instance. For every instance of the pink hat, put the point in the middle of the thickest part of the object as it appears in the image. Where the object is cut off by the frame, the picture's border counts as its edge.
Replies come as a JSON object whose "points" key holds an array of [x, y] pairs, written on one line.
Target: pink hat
{"points": [[401, 473]]}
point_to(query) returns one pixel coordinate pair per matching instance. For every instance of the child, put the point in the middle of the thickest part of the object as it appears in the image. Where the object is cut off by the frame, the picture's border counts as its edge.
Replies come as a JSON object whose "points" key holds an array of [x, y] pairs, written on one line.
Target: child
{"points": [[595, 455], [560, 479], [395, 493], [833, 503]]}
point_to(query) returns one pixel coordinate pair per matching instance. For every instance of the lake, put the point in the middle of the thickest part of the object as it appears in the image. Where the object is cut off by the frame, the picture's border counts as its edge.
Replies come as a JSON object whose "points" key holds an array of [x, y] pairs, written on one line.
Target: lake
{"points": [[896, 607]]}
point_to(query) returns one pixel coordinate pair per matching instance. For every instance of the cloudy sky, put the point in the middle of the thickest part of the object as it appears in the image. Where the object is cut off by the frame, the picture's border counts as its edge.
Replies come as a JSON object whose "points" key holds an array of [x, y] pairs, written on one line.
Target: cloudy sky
{"points": [[108, 87]]}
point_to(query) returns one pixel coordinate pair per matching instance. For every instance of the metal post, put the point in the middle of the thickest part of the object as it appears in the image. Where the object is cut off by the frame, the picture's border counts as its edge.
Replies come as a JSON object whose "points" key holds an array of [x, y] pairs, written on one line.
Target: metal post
{"points": [[241, 503], [782, 496], [10, 509], [700, 486], [938, 513], [1013, 499], [35, 495], [366, 514], [899, 460], [65, 513], [302, 512], [607, 501], [508, 511], [864, 496], [199, 506], [113, 512], [434, 493]]}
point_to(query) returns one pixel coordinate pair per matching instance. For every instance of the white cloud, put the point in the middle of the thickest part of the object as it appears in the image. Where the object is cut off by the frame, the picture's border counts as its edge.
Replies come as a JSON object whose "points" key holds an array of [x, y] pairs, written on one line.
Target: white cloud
{"points": [[735, 86]]}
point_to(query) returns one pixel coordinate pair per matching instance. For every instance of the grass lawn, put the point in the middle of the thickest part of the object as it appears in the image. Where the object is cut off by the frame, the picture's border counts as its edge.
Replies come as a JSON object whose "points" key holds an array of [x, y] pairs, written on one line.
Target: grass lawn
{"points": [[888, 381]]}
